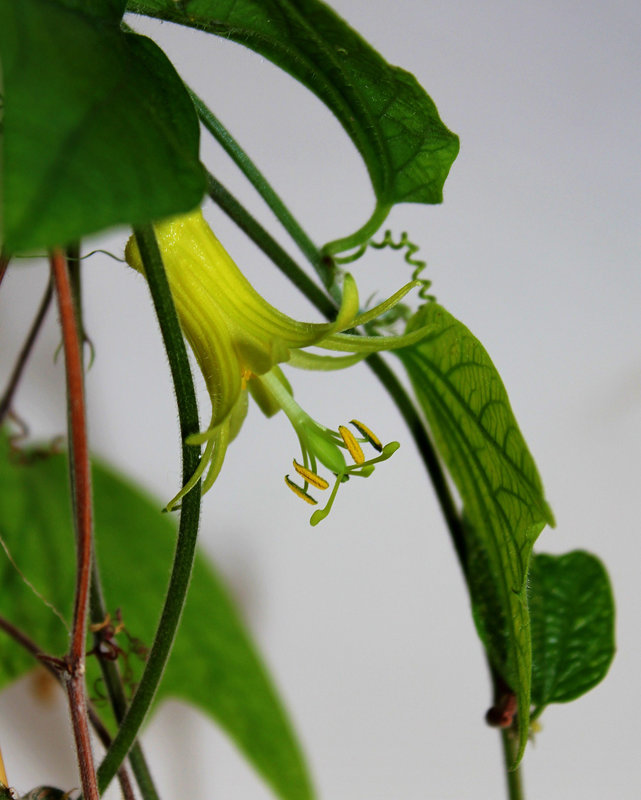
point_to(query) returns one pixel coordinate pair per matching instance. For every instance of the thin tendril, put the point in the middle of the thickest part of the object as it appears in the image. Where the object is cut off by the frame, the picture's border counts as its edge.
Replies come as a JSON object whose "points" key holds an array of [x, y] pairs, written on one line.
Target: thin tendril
{"points": [[79, 258], [410, 249]]}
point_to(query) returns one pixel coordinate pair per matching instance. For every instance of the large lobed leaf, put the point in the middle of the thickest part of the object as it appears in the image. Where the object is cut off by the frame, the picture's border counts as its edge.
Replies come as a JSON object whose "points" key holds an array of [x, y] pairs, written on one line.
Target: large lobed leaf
{"points": [[98, 127], [468, 411], [572, 621], [389, 117], [214, 665]]}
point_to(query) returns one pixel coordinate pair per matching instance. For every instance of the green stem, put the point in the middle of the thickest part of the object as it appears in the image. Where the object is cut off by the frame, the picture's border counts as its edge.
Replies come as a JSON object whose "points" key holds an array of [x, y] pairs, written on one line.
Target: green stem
{"points": [[513, 777], [190, 509], [262, 186], [359, 237]]}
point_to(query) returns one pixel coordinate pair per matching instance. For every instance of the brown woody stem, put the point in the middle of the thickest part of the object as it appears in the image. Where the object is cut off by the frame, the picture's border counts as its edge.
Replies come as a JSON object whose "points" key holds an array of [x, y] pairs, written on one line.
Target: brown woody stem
{"points": [[80, 473]]}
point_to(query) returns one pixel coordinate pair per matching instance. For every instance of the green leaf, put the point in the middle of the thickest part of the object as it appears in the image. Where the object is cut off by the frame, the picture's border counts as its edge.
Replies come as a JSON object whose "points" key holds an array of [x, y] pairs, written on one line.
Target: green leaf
{"points": [[389, 117], [572, 622], [98, 127], [476, 434], [111, 10], [214, 665]]}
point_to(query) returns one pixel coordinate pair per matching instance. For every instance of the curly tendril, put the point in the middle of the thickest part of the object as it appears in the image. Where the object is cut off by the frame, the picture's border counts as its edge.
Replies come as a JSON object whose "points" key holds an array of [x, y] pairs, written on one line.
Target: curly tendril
{"points": [[411, 248]]}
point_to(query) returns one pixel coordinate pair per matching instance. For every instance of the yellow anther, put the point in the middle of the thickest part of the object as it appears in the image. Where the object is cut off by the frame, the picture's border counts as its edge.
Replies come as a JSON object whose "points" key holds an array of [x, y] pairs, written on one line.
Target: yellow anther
{"points": [[371, 437], [310, 477], [352, 445], [300, 492]]}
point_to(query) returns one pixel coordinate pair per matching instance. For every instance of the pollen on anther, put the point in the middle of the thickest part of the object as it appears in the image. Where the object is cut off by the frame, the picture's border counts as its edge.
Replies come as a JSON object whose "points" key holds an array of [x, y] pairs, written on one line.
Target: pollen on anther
{"points": [[310, 477], [352, 445], [372, 438], [299, 492]]}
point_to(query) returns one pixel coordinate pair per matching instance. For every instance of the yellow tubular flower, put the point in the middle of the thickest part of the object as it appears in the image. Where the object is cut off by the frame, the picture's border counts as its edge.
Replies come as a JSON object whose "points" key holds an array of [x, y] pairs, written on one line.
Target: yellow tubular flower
{"points": [[238, 339]]}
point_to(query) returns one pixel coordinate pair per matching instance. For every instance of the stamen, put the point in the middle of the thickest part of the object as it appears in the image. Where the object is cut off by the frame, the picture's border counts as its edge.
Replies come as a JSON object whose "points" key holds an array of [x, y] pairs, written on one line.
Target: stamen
{"points": [[351, 444], [300, 492], [310, 477], [244, 378], [371, 437]]}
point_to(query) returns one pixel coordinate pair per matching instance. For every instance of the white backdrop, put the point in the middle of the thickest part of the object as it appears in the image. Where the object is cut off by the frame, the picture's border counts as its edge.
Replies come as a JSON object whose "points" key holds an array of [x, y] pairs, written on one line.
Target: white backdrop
{"points": [[364, 621]]}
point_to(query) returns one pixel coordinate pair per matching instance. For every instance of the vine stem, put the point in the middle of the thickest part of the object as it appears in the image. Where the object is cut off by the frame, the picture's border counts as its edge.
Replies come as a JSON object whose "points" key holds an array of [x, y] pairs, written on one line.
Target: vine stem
{"points": [[80, 473], [190, 508], [23, 357], [426, 451], [513, 776]]}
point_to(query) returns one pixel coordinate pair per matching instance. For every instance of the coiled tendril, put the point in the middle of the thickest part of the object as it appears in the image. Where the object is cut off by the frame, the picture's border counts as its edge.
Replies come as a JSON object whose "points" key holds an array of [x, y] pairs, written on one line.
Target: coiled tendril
{"points": [[410, 249]]}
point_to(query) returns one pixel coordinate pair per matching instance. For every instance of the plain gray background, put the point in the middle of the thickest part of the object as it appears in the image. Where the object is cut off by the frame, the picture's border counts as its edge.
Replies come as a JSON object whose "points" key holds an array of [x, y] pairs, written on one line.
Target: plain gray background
{"points": [[364, 621]]}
